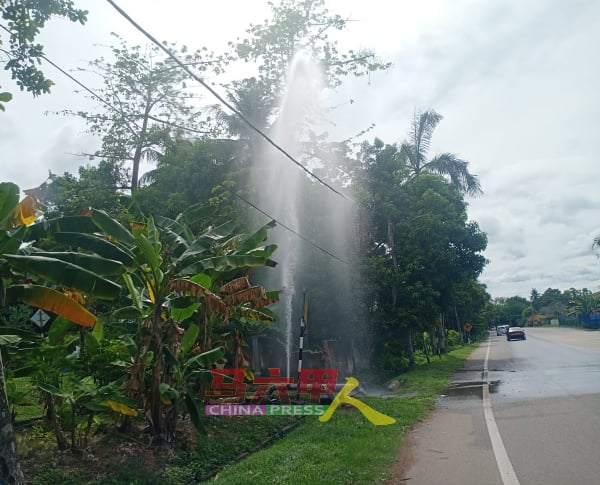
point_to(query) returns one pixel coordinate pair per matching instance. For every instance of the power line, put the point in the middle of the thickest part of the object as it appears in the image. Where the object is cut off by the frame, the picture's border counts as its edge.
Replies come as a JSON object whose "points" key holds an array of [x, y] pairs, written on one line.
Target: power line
{"points": [[111, 106], [221, 99], [312, 243], [107, 103]]}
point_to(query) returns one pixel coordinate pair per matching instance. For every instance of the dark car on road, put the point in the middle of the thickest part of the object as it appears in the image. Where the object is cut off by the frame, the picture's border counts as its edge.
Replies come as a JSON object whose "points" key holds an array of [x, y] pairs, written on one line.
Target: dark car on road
{"points": [[515, 333]]}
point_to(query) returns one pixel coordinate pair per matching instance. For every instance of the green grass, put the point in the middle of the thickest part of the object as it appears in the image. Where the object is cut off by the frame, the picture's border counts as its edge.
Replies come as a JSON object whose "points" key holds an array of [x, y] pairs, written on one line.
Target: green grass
{"points": [[349, 449], [24, 395], [346, 450]]}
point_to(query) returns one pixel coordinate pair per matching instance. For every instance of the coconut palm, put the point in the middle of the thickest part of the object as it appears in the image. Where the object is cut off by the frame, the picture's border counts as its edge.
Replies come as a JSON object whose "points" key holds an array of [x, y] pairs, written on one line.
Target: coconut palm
{"points": [[252, 100], [414, 151]]}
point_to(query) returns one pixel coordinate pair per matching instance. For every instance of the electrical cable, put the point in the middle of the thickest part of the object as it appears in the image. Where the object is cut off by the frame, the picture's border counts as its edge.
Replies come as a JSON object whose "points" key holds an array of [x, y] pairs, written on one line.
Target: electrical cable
{"points": [[221, 99], [107, 103], [289, 228]]}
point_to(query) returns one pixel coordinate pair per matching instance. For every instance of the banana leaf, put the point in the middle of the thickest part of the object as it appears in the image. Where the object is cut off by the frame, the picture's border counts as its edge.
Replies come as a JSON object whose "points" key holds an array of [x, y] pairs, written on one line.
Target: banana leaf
{"points": [[95, 244], [175, 226], [52, 301], [193, 408], [91, 262], [48, 228], [192, 265], [9, 199], [111, 226], [205, 359], [66, 274], [189, 338], [149, 254], [10, 242], [251, 241]]}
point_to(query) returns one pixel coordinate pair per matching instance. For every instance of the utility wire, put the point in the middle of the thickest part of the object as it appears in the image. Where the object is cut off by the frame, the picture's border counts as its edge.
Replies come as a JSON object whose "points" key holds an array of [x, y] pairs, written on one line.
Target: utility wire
{"points": [[288, 228], [221, 99], [246, 201], [111, 106]]}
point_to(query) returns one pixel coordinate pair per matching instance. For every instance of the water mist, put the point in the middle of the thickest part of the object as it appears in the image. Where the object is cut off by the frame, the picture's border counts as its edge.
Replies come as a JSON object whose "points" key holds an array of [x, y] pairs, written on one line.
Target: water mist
{"points": [[335, 336]]}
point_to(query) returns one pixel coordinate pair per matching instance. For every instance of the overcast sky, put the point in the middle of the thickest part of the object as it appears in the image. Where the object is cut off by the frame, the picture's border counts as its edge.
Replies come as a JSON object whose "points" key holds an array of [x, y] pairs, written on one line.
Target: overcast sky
{"points": [[516, 82]]}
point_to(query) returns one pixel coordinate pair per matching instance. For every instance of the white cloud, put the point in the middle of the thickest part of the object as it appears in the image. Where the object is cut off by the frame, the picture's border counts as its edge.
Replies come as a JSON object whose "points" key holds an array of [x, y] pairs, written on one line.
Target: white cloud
{"points": [[515, 81]]}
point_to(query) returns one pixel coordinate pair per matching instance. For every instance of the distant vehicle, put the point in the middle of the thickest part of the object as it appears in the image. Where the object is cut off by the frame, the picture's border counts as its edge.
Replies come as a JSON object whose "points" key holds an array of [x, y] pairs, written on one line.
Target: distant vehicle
{"points": [[501, 329], [515, 333]]}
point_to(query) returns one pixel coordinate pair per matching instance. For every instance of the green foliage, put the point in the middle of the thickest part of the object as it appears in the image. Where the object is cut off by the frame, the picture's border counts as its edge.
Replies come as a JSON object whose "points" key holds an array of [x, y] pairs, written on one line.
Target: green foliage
{"points": [[148, 102], [414, 152], [202, 173], [4, 98], [453, 338], [584, 301], [24, 21], [302, 26], [16, 316], [96, 186], [424, 255]]}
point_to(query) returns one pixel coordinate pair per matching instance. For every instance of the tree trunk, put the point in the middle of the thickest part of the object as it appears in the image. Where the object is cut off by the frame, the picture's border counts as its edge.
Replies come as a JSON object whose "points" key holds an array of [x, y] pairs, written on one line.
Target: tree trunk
{"points": [[460, 331], [408, 344], [137, 156], [61, 440], [425, 350], [10, 467], [441, 334]]}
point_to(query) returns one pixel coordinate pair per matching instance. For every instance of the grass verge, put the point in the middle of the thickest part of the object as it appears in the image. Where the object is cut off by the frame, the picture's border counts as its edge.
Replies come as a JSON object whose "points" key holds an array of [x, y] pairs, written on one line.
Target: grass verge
{"points": [[349, 449], [278, 450]]}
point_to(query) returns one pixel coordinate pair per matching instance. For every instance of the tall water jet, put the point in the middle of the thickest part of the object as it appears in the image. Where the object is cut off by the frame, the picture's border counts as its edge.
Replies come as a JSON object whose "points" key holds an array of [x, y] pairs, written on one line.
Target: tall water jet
{"points": [[311, 212]]}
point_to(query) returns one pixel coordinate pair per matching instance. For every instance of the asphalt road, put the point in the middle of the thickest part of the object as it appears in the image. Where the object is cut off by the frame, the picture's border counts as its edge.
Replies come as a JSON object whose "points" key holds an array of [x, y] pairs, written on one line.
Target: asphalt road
{"points": [[528, 414]]}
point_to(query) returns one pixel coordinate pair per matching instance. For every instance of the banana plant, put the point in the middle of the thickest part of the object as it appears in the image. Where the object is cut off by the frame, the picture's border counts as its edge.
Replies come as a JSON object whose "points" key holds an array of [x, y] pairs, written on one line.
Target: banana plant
{"points": [[17, 272], [167, 271]]}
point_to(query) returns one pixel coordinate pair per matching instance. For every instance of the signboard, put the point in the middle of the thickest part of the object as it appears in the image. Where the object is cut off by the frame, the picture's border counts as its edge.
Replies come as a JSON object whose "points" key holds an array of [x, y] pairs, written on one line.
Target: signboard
{"points": [[468, 327], [40, 318]]}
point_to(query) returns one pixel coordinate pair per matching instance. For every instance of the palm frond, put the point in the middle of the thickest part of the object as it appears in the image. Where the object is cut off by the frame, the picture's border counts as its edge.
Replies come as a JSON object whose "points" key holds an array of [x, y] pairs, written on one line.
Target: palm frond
{"points": [[449, 165], [148, 178], [423, 126]]}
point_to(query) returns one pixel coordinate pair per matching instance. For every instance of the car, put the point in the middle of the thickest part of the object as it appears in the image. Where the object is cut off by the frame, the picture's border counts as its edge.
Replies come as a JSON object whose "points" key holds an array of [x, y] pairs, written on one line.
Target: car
{"points": [[501, 329], [515, 333]]}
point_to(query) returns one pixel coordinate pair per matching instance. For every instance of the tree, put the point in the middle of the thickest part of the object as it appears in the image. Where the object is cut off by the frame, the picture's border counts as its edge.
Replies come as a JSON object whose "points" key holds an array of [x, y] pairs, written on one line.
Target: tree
{"points": [[25, 19], [302, 25], [146, 103], [420, 245], [584, 301], [249, 97], [414, 151], [510, 310], [96, 186], [553, 302], [534, 296], [196, 172]]}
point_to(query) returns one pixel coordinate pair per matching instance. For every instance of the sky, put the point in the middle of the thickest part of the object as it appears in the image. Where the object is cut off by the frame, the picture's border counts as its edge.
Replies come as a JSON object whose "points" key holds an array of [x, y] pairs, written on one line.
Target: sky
{"points": [[516, 83]]}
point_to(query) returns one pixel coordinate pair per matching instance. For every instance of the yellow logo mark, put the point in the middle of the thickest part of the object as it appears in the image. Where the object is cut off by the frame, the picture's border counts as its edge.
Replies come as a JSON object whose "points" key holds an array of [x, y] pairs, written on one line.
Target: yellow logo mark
{"points": [[377, 418]]}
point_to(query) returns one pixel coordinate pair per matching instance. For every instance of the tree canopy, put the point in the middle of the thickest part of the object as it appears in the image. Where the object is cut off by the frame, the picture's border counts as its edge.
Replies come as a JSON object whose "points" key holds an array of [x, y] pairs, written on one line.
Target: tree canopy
{"points": [[24, 21]]}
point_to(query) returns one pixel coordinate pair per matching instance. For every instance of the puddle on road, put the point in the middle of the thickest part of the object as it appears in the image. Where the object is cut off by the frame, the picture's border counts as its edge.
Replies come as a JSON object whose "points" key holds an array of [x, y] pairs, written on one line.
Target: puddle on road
{"points": [[469, 390]]}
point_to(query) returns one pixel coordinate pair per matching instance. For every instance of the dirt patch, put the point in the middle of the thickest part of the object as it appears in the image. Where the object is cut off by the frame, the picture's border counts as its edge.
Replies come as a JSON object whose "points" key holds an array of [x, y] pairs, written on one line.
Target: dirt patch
{"points": [[107, 455]]}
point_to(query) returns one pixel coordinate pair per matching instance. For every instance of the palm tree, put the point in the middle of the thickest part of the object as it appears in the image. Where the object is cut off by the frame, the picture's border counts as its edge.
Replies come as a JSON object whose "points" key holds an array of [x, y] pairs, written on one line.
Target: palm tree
{"points": [[252, 100], [414, 151]]}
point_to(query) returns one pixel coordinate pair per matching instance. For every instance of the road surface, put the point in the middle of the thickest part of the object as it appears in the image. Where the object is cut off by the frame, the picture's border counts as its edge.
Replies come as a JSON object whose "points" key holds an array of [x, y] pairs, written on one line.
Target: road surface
{"points": [[520, 412]]}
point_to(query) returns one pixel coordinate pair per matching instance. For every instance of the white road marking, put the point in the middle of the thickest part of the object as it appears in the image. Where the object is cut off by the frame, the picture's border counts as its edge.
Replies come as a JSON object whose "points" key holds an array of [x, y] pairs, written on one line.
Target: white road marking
{"points": [[505, 467]]}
